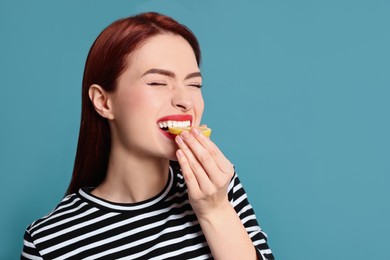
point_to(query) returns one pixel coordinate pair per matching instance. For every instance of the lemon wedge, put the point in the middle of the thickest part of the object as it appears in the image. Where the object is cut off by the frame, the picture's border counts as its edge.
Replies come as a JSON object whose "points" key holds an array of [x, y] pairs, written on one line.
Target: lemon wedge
{"points": [[177, 130]]}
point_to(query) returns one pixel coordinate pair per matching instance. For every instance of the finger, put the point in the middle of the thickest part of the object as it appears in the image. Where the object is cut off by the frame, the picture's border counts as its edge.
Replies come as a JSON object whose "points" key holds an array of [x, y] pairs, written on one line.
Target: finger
{"points": [[204, 158], [193, 164], [219, 158], [189, 177]]}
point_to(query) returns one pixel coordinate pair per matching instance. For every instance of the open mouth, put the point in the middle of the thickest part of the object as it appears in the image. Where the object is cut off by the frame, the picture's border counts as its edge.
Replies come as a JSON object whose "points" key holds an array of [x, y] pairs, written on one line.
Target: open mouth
{"points": [[173, 121], [164, 125]]}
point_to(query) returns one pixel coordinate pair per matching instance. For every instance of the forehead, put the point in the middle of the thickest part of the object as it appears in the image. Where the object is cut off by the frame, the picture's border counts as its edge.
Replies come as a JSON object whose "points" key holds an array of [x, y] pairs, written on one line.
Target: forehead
{"points": [[165, 51]]}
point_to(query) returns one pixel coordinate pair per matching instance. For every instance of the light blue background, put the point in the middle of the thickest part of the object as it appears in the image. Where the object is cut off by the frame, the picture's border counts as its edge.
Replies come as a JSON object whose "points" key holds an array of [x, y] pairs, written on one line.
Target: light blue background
{"points": [[297, 94]]}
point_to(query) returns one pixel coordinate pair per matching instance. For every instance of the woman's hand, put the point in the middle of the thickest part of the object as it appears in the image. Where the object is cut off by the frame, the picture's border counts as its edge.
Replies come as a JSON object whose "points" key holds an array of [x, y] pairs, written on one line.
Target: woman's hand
{"points": [[206, 170], [208, 173]]}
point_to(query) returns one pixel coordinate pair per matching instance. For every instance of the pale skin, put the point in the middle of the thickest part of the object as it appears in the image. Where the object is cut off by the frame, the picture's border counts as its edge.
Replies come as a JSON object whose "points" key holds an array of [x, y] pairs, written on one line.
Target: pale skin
{"points": [[163, 79]]}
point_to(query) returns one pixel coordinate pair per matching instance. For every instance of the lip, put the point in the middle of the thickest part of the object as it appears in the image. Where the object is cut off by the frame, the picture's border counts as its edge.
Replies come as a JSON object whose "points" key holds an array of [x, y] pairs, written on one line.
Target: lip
{"points": [[173, 118], [176, 118]]}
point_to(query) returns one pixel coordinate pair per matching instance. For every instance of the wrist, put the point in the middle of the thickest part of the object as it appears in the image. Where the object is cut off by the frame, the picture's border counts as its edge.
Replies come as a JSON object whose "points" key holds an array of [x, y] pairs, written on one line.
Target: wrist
{"points": [[217, 213], [225, 234]]}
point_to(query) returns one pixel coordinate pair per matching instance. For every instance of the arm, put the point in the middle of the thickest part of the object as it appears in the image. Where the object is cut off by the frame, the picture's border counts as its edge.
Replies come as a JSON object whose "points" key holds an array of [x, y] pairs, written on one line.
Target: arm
{"points": [[226, 235], [239, 200], [208, 173]]}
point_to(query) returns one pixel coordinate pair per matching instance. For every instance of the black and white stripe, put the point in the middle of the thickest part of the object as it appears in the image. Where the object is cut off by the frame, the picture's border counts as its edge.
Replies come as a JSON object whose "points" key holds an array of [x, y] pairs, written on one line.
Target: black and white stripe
{"points": [[83, 226]]}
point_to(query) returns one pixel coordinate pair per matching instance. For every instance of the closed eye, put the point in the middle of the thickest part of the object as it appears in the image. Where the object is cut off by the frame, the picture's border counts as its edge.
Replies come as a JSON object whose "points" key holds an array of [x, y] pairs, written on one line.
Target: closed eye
{"points": [[196, 85], [157, 84]]}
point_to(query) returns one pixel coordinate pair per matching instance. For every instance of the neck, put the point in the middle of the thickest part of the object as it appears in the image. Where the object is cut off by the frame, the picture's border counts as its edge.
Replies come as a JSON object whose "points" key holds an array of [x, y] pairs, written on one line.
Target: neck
{"points": [[132, 179]]}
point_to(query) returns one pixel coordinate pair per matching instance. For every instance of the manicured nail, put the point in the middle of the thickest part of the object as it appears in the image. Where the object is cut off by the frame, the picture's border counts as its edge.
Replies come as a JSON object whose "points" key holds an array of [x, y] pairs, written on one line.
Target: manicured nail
{"points": [[179, 140], [179, 153], [185, 134], [195, 131]]}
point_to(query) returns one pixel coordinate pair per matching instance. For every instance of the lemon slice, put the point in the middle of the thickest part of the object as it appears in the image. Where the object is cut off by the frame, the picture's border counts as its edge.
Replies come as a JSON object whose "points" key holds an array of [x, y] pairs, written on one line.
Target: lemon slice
{"points": [[177, 130]]}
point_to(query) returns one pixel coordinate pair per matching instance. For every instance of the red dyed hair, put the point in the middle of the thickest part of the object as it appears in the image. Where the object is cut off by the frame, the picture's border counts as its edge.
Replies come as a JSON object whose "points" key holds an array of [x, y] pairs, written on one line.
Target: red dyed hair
{"points": [[105, 63]]}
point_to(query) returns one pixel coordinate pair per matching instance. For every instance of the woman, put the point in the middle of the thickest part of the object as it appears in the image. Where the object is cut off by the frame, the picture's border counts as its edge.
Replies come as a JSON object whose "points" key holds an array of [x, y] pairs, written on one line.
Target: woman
{"points": [[137, 191]]}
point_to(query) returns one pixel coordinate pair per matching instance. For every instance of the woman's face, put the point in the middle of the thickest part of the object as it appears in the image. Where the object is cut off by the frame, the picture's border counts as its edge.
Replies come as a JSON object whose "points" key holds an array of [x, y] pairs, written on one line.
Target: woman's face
{"points": [[160, 86]]}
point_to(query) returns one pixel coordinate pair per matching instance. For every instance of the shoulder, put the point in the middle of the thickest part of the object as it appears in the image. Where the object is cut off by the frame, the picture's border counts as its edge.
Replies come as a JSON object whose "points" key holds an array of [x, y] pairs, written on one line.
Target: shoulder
{"points": [[67, 204]]}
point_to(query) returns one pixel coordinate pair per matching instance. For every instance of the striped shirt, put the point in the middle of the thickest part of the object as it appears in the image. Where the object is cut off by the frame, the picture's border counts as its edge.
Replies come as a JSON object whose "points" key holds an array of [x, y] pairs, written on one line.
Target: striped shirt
{"points": [[84, 226]]}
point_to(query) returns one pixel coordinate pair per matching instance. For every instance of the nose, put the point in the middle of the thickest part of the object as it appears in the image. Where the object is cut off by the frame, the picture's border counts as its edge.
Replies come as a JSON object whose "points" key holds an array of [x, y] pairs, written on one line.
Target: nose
{"points": [[182, 99]]}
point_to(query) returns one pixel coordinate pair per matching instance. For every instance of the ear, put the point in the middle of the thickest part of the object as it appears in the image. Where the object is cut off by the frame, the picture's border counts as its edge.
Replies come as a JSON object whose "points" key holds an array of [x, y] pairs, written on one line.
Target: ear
{"points": [[101, 101]]}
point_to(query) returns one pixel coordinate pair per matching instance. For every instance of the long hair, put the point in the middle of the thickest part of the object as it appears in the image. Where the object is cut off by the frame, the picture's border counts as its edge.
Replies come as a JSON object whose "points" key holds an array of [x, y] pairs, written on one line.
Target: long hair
{"points": [[105, 63]]}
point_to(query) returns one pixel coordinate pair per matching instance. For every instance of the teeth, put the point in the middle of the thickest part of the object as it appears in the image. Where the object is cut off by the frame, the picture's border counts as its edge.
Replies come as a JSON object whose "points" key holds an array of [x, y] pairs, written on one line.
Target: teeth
{"points": [[170, 123]]}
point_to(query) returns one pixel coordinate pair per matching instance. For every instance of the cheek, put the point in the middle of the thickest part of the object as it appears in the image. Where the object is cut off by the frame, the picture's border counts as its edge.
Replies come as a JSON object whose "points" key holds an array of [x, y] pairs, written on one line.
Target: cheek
{"points": [[133, 100], [199, 107], [128, 105], [134, 114]]}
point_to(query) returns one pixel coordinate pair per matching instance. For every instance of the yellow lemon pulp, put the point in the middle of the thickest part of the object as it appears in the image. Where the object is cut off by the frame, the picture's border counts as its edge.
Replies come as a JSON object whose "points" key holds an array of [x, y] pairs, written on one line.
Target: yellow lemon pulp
{"points": [[177, 130]]}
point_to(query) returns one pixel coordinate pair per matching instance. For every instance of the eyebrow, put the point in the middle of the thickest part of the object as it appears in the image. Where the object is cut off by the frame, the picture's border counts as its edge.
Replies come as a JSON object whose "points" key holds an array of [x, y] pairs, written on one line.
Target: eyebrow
{"points": [[171, 74]]}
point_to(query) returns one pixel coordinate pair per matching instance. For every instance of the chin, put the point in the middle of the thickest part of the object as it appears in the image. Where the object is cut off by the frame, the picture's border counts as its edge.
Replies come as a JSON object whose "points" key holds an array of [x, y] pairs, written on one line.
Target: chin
{"points": [[172, 157], [169, 153]]}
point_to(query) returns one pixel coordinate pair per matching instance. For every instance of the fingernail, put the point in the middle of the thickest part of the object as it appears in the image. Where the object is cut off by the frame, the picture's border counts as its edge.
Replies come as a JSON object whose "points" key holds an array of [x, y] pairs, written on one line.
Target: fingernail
{"points": [[195, 131], [185, 134], [179, 140], [179, 153]]}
